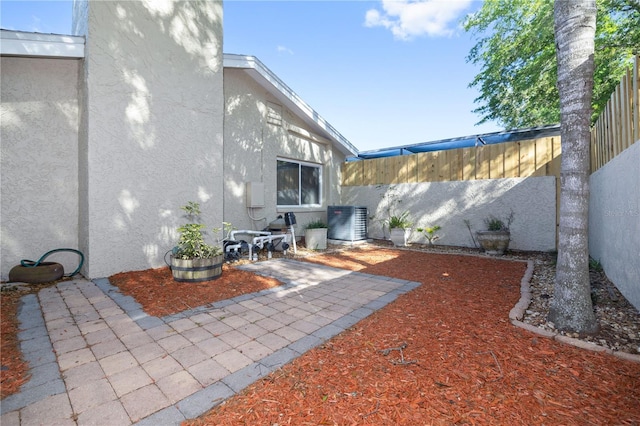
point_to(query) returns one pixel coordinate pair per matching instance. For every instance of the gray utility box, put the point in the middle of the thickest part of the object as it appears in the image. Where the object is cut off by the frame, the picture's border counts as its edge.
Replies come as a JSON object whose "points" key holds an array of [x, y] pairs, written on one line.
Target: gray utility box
{"points": [[347, 223]]}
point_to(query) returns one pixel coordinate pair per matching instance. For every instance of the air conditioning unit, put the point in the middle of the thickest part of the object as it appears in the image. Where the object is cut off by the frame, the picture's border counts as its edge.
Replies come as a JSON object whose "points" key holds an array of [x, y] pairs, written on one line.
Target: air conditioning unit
{"points": [[347, 223]]}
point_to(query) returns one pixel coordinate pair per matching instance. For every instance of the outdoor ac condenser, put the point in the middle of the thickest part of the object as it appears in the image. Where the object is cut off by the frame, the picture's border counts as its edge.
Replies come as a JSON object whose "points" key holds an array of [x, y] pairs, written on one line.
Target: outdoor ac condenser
{"points": [[347, 223]]}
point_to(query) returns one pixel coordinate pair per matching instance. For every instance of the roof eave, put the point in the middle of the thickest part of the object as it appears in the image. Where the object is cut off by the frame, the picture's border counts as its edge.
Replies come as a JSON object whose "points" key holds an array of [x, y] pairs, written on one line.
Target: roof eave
{"points": [[37, 45], [265, 77]]}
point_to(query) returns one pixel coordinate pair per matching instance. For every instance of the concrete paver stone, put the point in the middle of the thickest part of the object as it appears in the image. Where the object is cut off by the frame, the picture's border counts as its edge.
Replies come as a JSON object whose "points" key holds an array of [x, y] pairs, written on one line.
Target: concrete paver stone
{"points": [[92, 394], [144, 401], [78, 376], [208, 371], [129, 380]]}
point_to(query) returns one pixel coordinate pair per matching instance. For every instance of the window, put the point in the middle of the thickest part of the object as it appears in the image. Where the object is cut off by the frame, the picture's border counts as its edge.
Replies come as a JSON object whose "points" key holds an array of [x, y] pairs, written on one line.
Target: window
{"points": [[299, 184]]}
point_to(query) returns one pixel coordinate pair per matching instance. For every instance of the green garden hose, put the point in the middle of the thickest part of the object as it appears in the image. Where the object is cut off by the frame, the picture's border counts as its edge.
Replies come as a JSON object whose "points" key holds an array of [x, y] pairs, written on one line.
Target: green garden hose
{"points": [[30, 263]]}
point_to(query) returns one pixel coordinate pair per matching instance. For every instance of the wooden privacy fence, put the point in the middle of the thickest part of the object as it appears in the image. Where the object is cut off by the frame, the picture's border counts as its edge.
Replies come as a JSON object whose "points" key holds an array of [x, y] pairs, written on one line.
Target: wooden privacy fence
{"points": [[618, 126], [536, 157]]}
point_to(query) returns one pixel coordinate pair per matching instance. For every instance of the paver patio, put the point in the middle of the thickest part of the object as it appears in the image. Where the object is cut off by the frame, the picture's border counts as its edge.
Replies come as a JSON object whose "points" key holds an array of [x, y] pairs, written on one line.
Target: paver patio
{"points": [[97, 358]]}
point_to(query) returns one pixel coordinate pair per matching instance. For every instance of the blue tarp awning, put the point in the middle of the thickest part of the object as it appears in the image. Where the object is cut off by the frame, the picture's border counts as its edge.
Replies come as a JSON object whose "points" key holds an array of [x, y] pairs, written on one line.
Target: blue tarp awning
{"points": [[462, 142]]}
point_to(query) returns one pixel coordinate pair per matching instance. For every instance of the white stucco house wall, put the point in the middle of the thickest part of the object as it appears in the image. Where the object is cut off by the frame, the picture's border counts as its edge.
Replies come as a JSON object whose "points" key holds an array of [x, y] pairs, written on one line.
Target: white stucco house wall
{"points": [[105, 136], [39, 162], [270, 133]]}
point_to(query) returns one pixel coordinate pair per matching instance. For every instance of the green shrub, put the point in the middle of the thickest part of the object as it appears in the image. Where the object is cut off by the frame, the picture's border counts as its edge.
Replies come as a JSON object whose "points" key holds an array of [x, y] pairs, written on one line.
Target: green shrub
{"points": [[402, 221], [316, 224], [191, 244]]}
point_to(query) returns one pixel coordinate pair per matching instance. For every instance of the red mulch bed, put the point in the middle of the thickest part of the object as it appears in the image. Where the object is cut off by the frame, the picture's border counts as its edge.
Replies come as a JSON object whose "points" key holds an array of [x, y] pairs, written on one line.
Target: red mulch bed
{"points": [[464, 362], [160, 295], [14, 368]]}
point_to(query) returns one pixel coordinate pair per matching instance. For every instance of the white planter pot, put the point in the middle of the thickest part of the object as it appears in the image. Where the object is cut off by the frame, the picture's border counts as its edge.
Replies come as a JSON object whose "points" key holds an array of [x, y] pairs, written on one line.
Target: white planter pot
{"points": [[316, 238], [399, 236], [494, 242]]}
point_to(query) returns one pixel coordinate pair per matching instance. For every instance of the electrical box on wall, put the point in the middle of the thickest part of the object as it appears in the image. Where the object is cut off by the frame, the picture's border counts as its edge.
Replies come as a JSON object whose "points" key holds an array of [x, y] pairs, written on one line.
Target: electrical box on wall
{"points": [[255, 194]]}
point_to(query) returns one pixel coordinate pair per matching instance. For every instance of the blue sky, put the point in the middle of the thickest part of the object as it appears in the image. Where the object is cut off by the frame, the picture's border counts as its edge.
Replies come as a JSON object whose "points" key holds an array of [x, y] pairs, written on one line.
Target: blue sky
{"points": [[383, 73]]}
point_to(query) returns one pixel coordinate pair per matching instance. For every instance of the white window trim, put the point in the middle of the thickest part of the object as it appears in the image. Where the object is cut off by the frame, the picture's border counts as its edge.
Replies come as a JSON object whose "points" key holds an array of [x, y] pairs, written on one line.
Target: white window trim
{"points": [[320, 182]]}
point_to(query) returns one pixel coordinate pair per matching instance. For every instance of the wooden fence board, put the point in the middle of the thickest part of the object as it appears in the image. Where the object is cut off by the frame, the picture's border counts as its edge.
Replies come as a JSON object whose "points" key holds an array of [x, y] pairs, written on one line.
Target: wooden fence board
{"points": [[394, 170], [496, 161], [412, 169], [444, 166], [634, 106], [456, 161], [511, 159], [527, 158], [543, 156], [352, 173], [468, 164], [432, 166], [538, 157], [624, 112], [482, 162], [617, 128], [422, 167]]}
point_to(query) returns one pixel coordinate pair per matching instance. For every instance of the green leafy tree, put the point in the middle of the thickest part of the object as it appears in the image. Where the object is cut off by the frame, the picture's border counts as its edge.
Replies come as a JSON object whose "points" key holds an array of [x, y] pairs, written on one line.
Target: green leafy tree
{"points": [[516, 53]]}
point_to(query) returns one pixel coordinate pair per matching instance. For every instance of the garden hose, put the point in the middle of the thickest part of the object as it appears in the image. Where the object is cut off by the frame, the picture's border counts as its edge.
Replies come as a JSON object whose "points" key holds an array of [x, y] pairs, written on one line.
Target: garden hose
{"points": [[31, 264]]}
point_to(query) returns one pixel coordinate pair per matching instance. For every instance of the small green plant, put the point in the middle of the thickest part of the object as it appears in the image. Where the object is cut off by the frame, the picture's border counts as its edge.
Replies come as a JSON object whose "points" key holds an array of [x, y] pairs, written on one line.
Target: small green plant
{"points": [[495, 224], [191, 244], [401, 221], [595, 265], [467, 222], [430, 233], [316, 224]]}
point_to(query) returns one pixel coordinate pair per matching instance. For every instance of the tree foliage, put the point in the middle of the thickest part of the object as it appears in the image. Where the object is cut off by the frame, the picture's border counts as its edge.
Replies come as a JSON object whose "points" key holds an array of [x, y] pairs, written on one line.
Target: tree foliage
{"points": [[516, 53]]}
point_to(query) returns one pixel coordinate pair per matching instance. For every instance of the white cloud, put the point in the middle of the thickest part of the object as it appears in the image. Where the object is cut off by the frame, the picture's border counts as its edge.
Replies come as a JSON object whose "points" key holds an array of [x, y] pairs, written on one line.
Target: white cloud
{"points": [[283, 49], [407, 19]]}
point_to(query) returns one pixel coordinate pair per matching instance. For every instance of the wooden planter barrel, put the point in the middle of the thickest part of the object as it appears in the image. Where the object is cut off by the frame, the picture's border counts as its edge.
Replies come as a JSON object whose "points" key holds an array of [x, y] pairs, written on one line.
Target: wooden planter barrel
{"points": [[196, 270]]}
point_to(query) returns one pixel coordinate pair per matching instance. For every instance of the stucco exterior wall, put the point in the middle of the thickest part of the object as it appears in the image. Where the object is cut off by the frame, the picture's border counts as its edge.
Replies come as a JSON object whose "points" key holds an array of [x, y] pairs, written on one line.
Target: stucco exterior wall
{"points": [[39, 162], [252, 146], [450, 204], [614, 221], [151, 127]]}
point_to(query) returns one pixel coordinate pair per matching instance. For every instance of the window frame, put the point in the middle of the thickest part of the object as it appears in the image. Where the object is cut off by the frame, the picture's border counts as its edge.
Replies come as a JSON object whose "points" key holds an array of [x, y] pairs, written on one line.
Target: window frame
{"points": [[300, 164]]}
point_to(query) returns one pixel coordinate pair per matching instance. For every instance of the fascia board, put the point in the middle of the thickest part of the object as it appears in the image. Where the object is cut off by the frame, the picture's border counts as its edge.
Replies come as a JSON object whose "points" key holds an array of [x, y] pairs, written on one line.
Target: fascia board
{"points": [[265, 77], [26, 44]]}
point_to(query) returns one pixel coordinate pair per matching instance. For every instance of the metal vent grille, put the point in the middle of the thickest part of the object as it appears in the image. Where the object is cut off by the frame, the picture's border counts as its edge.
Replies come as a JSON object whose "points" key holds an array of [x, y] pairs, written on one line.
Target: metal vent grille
{"points": [[274, 114]]}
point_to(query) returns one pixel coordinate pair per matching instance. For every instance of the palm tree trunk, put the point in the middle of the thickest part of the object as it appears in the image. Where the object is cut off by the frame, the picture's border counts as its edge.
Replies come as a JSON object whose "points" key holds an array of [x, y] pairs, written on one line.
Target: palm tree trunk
{"points": [[575, 23]]}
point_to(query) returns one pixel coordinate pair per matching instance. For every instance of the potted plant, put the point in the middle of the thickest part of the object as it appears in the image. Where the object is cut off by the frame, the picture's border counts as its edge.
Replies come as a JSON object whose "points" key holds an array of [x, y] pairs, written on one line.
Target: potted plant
{"points": [[430, 233], [399, 228], [495, 240], [315, 235], [193, 260]]}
